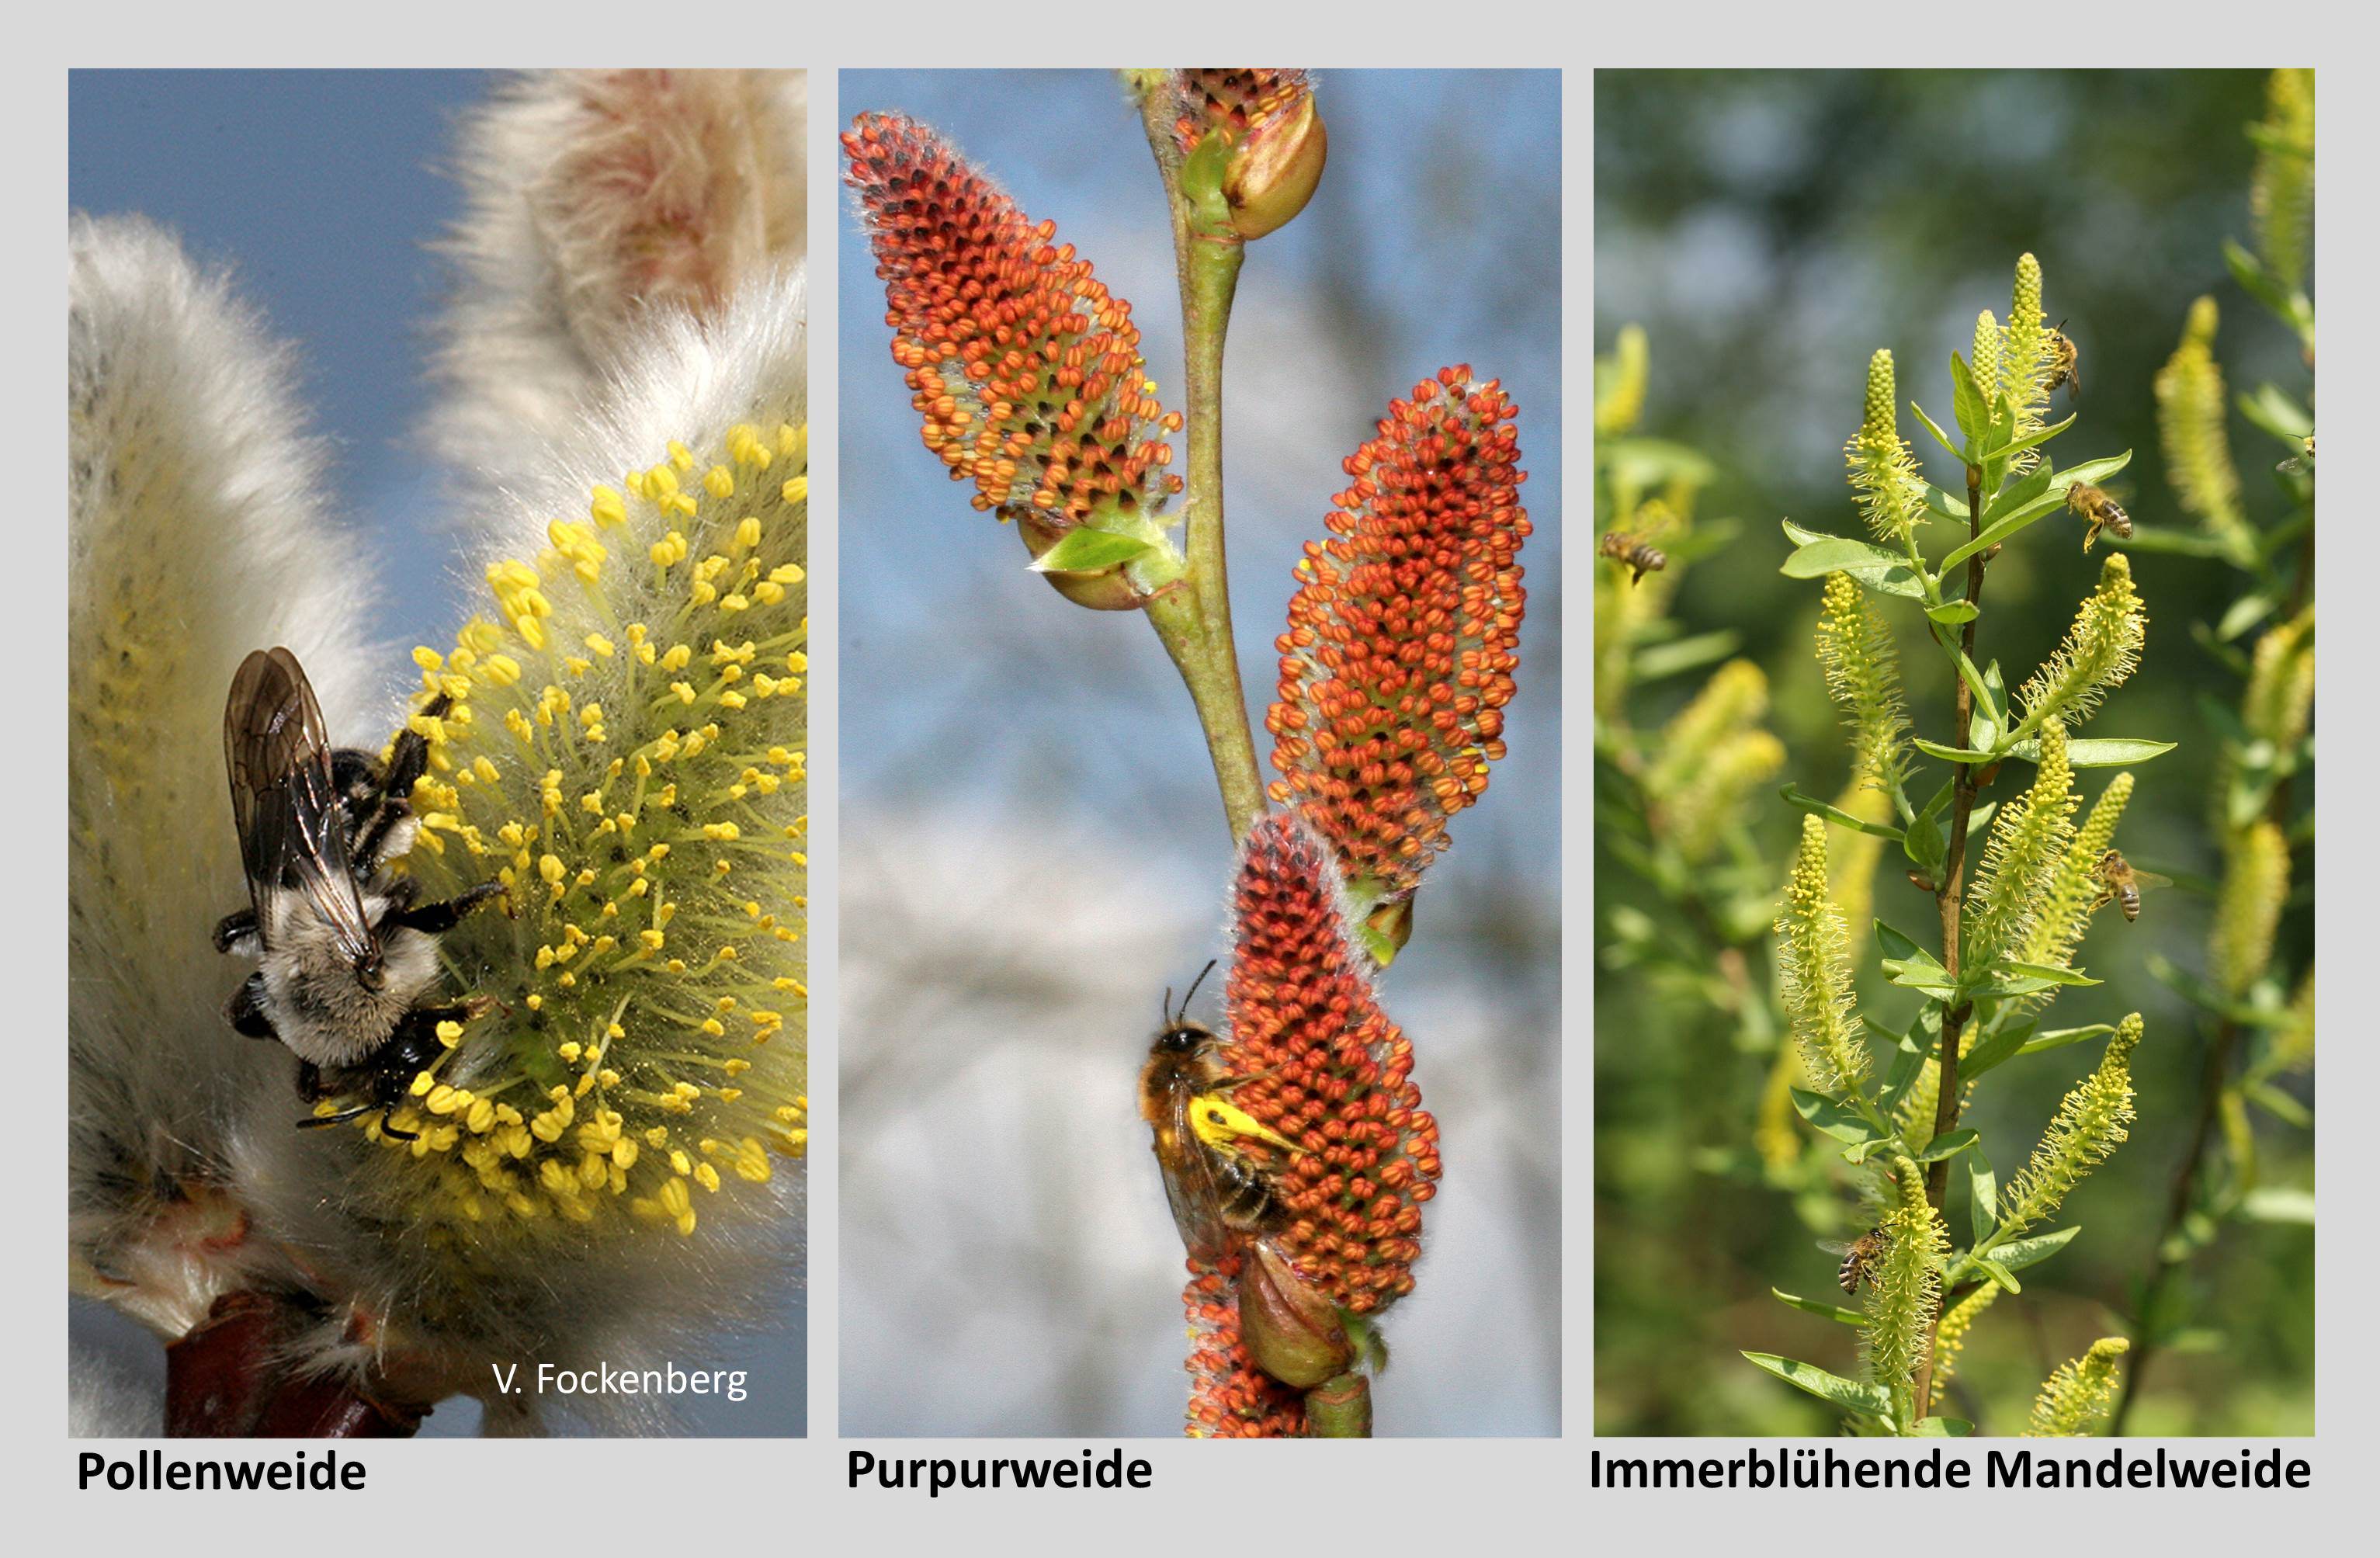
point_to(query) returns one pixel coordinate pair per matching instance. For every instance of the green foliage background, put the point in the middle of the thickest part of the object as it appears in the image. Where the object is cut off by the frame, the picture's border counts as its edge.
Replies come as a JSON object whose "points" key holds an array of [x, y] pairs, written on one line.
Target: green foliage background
{"points": [[1768, 230]]}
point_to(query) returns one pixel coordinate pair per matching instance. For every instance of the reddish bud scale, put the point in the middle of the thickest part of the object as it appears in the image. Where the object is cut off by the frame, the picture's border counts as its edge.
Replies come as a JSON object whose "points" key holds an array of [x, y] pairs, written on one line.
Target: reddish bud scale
{"points": [[1331, 1073], [1231, 100], [1025, 371], [1403, 633], [1230, 1397]]}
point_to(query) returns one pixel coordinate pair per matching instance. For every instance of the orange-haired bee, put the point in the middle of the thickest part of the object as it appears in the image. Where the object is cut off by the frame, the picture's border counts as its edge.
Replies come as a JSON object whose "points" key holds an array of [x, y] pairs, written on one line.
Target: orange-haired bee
{"points": [[1213, 1181], [2065, 366]]}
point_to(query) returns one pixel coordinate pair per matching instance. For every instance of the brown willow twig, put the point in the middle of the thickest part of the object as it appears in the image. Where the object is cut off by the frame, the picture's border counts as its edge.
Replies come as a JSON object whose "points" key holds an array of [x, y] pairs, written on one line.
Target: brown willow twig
{"points": [[1949, 899]]}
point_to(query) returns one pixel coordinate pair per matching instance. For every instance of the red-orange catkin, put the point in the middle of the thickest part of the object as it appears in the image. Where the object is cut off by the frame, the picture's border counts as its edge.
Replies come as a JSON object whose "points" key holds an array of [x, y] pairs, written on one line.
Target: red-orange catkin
{"points": [[1400, 647], [1230, 1397], [1231, 100], [1330, 1073], [1026, 369]]}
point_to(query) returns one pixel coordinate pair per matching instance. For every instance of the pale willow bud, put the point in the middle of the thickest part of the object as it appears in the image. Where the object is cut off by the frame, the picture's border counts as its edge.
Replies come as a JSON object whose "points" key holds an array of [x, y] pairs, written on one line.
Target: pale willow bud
{"points": [[2089, 1125], [1275, 171], [2075, 1398], [1883, 470], [1813, 969], [2029, 839], [2100, 651], [1906, 1282], [2191, 411], [2248, 909]]}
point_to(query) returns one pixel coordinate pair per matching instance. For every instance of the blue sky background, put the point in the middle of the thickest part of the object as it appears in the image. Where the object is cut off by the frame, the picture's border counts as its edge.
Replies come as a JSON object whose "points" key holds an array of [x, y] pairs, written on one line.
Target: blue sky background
{"points": [[322, 189], [1010, 758]]}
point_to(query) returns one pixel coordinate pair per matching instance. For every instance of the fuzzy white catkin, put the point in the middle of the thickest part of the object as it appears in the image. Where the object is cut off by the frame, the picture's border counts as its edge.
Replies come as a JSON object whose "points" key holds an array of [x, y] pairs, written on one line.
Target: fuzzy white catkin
{"points": [[197, 531], [594, 199], [645, 1293]]}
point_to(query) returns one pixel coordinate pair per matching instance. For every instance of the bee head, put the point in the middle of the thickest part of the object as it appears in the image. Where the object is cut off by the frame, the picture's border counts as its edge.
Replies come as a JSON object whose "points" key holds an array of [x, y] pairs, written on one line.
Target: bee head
{"points": [[1184, 1038], [370, 974]]}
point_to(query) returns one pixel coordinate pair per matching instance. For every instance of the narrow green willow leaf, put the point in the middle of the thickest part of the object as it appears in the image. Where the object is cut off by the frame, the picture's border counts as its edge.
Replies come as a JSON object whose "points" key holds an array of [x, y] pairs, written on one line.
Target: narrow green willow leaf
{"points": [[1824, 1114], [1997, 1046], [1949, 1145], [1923, 843], [1684, 654], [1998, 1273], [2036, 439], [1942, 438], [1896, 946], [2059, 1037], [1951, 754], [2105, 751], [1869, 564], [2033, 483], [1950, 613], [2279, 1204], [2017, 1254], [2280, 1105], [1968, 407], [1950, 506], [2168, 540], [1795, 796], [2044, 971], [1869, 1400], [1908, 1065], [1820, 1307], [2273, 409], [1983, 1195], [2244, 613]]}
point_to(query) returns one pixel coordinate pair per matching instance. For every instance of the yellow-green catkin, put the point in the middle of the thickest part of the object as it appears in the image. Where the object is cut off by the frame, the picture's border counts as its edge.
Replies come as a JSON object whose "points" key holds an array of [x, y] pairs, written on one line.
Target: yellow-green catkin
{"points": [[2280, 194], [1734, 700], [1950, 1336], [2191, 409], [2090, 1124], [1619, 385], [2293, 1040], [1814, 969], [1987, 362], [1696, 815], [2101, 649], [2074, 1400], [2025, 357], [1906, 1284], [625, 750], [1863, 671], [2029, 839], [2279, 701], [2074, 886], [1883, 470], [1853, 857], [2248, 909]]}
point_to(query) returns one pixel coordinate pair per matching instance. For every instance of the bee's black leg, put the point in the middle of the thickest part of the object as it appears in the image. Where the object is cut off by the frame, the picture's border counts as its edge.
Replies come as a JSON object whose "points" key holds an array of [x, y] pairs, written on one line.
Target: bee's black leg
{"points": [[235, 928], [247, 1010], [438, 917], [409, 760], [317, 1121], [389, 1130]]}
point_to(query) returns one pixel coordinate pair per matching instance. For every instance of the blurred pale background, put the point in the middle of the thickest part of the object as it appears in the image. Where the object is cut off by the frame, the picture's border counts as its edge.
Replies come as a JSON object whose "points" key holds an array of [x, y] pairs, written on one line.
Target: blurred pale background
{"points": [[320, 188], [1032, 846]]}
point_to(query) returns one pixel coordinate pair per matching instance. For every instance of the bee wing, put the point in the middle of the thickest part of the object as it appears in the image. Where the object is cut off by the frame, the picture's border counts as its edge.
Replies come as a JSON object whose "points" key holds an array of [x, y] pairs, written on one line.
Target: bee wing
{"points": [[1836, 1246], [2149, 878], [292, 833], [1191, 1187]]}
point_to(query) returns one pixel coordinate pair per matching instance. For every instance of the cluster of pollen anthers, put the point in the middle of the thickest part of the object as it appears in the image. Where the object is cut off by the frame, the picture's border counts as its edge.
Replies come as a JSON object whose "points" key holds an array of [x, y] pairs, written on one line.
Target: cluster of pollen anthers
{"points": [[1330, 1073], [1027, 372], [626, 751], [1231, 100], [1230, 1397], [1399, 653]]}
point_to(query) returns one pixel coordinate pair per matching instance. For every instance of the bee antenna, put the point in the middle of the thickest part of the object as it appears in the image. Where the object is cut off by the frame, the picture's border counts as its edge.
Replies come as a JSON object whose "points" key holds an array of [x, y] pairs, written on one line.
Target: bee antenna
{"points": [[1165, 1009], [1192, 991]]}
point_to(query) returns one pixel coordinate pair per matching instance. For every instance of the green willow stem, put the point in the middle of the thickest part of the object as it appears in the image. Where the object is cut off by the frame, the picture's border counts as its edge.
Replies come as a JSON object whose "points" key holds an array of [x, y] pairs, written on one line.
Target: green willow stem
{"points": [[1195, 622]]}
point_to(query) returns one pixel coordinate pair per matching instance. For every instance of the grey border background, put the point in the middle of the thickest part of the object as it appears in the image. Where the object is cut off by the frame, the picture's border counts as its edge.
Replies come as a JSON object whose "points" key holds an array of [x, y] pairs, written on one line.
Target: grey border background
{"points": [[1514, 1493]]}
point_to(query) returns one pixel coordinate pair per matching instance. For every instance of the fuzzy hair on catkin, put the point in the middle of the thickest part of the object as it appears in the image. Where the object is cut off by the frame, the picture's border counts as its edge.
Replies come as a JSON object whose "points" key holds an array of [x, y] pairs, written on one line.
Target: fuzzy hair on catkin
{"points": [[598, 202], [467, 1294], [197, 531]]}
